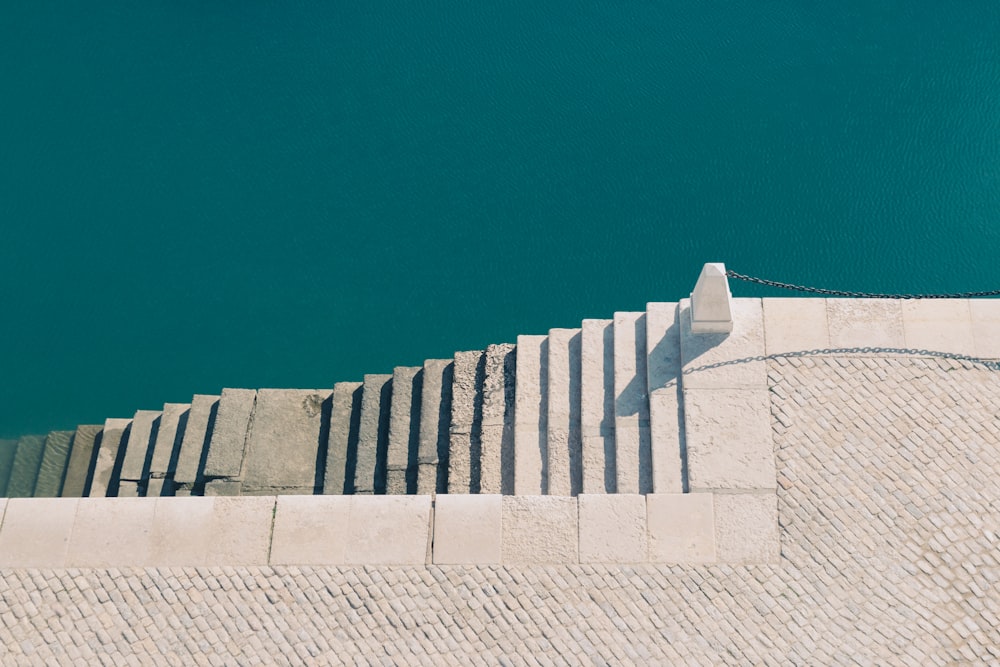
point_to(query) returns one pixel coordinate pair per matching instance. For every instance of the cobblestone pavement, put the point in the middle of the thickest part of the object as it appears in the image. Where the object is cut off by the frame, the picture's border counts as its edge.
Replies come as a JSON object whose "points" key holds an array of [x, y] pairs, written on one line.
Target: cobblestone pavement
{"points": [[889, 508]]}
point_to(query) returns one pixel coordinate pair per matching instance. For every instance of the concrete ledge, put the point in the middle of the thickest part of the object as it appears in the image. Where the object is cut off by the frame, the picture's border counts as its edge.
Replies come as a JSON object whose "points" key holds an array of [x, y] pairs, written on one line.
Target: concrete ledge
{"points": [[202, 531], [941, 325], [746, 528], [310, 530], [111, 532], [388, 530], [865, 323], [795, 325], [613, 528], [681, 528], [36, 531], [468, 529], [540, 529]]}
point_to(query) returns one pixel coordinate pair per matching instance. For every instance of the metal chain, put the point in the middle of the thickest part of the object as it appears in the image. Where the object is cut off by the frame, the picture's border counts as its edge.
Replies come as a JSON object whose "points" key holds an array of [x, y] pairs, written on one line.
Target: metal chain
{"points": [[862, 295]]}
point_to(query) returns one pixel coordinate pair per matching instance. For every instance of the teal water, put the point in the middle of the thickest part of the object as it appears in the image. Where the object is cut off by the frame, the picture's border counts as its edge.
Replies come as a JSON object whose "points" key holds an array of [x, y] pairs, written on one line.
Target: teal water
{"points": [[198, 195]]}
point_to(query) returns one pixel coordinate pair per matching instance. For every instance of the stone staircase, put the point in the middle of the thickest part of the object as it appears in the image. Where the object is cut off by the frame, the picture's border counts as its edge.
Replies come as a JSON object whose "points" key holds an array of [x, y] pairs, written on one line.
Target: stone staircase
{"points": [[591, 410]]}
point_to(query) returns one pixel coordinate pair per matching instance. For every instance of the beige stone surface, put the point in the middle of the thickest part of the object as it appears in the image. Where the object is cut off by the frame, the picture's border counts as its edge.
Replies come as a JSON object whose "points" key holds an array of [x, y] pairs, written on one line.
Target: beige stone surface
{"points": [[597, 406], [734, 360], [388, 530], [497, 432], [681, 528], [311, 530], [138, 447], [75, 482], [633, 467], [613, 528], [465, 442], [985, 317], [36, 531], [373, 434], [746, 528], [197, 433], [540, 529], [168, 437], [202, 531], [729, 439], [467, 529], [663, 368], [861, 323], [111, 439], [53, 464], [232, 429], [795, 325], [531, 415], [938, 325], [112, 532], [563, 438], [342, 446], [404, 429], [435, 420]]}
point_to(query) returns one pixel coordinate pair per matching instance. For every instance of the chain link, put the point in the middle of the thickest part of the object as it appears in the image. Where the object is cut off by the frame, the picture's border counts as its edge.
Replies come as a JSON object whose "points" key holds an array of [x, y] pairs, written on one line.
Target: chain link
{"points": [[861, 295]]}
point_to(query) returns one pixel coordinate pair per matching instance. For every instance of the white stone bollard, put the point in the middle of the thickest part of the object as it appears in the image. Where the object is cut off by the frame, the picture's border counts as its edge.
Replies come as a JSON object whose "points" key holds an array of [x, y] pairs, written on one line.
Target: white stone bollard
{"points": [[711, 301]]}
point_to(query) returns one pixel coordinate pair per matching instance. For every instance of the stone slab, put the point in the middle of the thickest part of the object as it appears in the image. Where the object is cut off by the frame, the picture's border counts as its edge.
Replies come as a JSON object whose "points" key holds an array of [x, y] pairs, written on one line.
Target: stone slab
{"points": [[565, 473], [342, 445], [985, 316], [112, 435], [194, 445], [681, 528], [52, 469], [468, 529], [540, 530], [24, 469], [283, 453], [404, 430], [311, 530], [170, 435], [465, 441], [597, 406], [663, 372], [862, 323], [8, 450], [388, 530], [729, 439], [201, 531], [613, 528], [795, 325], [36, 532], [139, 445], [531, 415], [746, 528], [938, 325], [111, 532], [734, 360], [373, 435], [497, 433], [435, 424], [223, 487], [159, 486], [232, 429], [81, 455], [633, 465]]}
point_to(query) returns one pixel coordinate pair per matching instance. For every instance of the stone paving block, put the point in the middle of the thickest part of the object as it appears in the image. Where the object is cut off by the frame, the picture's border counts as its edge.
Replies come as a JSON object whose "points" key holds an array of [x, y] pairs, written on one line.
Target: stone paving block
{"points": [[540, 530], [230, 433], [81, 455], [613, 528], [435, 425], [404, 430], [729, 439], [681, 528], [24, 469], [284, 453], [53, 465], [497, 433], [663, 372], [633, 464], [111, 532], [597, 406], [311, 530], [795, 325], [112, 435], [733, 360], [531, 415], [197, 434], [8, 450], [938, 325], [168, 439], [388, 530], [467, 529], [342, 447], [199, 531], [465, 442], [36, 532], [373, 435], [861, 323], [746, 528], [985, 316], [565, 473], [139, 445]]}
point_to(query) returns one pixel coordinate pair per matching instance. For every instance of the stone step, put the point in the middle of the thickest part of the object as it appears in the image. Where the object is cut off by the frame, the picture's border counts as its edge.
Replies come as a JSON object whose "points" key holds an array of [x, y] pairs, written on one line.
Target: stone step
{"points": [[666, 419], [138, 452], [342, 444], [497, 432], [223, 468], [435, 426], [107, 463], [404, 430], [465, 444], [188, 472], [8, 449], [373, 434], [79, 470], [563, 425], [531, 416], [166, 448], [632, 449], [24, 470], [52, 468], [597, 401]]}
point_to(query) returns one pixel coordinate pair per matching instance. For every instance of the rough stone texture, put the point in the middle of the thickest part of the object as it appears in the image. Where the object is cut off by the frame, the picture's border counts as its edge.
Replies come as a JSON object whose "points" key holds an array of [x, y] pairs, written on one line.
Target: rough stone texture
{"points": [[938, 325], [196, 531], [613, 528], [232, 429], [666, 418], [111, 532], [388, 530], [468, 529], [465, 448], [342, 447], [53, 466], [404, 430], [78, 468], [138, 446], [729, 441], [735, 360], [8, 450], [540, 529], [168, 439], [24, 469], [283, 454], [985, 315], [531, 415], [565, 472], [795, 325], [860, 323], [311, 530], [223, 487], [497, 435], [36, 532], [197, 434], [112, 435], [681, 527], [632, 447], [746, 528], [597, 406], [373, 434], [435, 422]]}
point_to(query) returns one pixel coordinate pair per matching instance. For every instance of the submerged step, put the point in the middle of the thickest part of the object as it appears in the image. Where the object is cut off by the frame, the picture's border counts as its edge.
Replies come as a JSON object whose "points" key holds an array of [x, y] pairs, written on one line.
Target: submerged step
{"points": [[435, 426], [78, 470], [531, 415], [464, 450], [597, 401], [497, 432], [404, 430], [24, 470], [342, 444], [632, 451], [53, 466], [194, 444], [563, 426], [8, 449], [373, 436]]}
